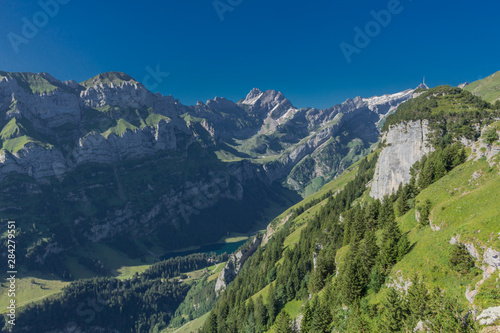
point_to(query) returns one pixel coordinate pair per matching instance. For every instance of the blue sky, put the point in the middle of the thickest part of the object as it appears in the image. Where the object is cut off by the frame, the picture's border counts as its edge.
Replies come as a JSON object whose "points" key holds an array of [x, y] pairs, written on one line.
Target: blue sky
{"points": [[291, 46]]}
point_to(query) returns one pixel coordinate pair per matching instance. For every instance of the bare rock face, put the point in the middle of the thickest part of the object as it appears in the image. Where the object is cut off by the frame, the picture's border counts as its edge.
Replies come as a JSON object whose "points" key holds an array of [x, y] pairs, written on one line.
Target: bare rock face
{"points": [[405, 145], [492, 258], [35, 161], [489, 316], [233, 266]]}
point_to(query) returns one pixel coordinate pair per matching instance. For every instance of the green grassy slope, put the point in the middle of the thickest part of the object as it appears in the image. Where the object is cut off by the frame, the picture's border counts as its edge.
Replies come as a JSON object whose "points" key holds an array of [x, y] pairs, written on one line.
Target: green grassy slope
{"points": [[455, 199], [488, 88], [464, 203]]}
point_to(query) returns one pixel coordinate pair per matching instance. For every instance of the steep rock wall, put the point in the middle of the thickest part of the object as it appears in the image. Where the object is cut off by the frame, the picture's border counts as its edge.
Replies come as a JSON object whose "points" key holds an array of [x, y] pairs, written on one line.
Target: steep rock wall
{"points": [[406, 143]]}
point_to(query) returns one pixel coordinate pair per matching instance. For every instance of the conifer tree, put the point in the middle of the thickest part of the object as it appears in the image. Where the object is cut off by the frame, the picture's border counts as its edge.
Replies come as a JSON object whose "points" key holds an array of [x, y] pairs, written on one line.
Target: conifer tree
{"points": [[357, 322], [211, 326], [403, 246], [460, 259], [321, 318], [272, 304], [371, 215], [389, 249], [418, 302], [377, 278], [305, 325], [260, 314], [426, 176], [283, 323], [358, 226], [353, 279], [369, 250], [404, 195], [394, 314], [386, 213]]}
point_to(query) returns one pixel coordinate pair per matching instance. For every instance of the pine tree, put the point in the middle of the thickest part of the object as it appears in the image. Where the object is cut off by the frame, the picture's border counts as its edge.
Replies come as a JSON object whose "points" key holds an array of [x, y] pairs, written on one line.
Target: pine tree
{"points": [[358, 227], [426, 176], [377, 278], [348, 221], [260, 314], [357, 322], [389, 249], [460, 158], [353, 280], [321, 319], [368, 252], [305, 325], [403, 246], [211, 326], [386, 213], [272, 304], [460, 259], [404, 194], [394, 314], [371, 215], [448, 315], [418, 302], [249, 309], [283, 323], [440, 168], [425, 210]]}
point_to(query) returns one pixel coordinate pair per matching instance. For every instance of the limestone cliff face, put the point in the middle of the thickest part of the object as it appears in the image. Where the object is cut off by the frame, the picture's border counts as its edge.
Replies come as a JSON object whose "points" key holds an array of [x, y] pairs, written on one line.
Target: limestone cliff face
{"points": [[406, 143], [233, 266], [42, 163]]}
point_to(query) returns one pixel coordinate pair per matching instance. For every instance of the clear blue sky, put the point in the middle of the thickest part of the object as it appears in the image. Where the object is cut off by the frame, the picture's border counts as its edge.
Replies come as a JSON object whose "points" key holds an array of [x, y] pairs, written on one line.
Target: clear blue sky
{"points": [[291, 46]]}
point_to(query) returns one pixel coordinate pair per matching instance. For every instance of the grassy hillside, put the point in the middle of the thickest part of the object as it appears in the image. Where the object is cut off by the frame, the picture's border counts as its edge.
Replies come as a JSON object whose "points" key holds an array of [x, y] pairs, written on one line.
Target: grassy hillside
{"points": [[455, 200], [488, 88], [346, 262]]}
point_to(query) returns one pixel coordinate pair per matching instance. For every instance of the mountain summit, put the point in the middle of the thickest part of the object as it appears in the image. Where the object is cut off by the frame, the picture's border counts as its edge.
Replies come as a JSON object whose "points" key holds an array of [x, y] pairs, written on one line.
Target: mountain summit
{"points": [[108, 78]]}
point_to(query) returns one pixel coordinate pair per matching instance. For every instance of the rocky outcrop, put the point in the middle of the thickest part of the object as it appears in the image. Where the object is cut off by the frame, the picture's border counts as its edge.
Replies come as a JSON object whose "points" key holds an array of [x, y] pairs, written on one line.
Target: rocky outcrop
{"points": [[233, 266], [271, 229], [489, 263], [489, 316], [480, 148], [405, 144]]}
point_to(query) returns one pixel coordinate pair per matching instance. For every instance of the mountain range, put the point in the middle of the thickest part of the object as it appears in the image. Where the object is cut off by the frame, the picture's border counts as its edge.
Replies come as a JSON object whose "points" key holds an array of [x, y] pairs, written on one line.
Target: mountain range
{"points": [[373, 207], [107, 160]]}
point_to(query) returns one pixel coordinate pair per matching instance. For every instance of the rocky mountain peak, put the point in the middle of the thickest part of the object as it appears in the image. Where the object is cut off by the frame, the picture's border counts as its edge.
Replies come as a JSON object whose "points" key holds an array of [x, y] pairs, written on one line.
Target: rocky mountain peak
{"points": [[252, 96], [270, 103], [220, 103], [109, 79], [115, 89], [422, 86]]}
